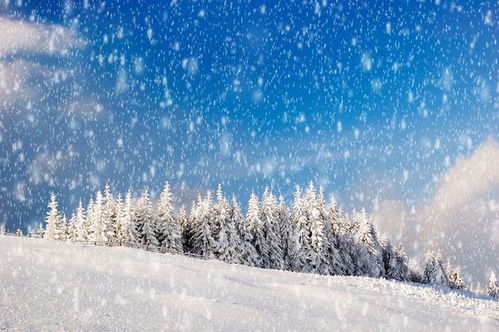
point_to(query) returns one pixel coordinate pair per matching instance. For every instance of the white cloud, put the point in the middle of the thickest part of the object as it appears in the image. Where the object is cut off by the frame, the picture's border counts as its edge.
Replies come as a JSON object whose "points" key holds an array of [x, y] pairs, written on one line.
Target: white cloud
{"points": [[20, 78], [461, 218], [21, 36]]}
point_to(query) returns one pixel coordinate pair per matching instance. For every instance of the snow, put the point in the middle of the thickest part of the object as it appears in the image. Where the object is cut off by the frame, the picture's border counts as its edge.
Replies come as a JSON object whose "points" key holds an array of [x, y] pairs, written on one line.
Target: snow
{"points": [[54, 285]]}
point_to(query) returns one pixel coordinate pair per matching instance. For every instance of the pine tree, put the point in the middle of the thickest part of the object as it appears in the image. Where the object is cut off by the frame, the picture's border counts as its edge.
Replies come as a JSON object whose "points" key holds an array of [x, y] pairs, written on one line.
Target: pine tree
{"points": [[98, 230], [127, 231], [145, 221], [81, 233], [318, 260], [62, 230], [224, 231], [39, 231], [284, 224], [169, 230], [89, 219], [184, 223], [53, 220], [493, 286], [72, 228], [247, 253], [369, 254], [454, 276], [394, 261], [256, 229], [203, 243], [270, 221], [340, 244], [109, 215], [299, 250], [434, 272]]}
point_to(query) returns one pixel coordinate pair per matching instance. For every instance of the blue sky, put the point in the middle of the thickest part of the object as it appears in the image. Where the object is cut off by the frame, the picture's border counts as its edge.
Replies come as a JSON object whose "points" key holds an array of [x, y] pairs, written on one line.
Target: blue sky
{"points": [[373, 100]]}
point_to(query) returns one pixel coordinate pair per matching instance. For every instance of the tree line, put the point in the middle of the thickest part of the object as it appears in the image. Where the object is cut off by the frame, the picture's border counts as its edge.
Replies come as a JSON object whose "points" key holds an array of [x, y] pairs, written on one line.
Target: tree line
{"points": [[311, 236]]}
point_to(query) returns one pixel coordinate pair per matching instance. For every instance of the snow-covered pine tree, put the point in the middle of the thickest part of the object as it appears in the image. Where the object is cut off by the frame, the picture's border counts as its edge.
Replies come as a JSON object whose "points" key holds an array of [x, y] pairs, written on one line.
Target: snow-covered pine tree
{"points": [[183, 221], [247, 253], [203, 243], [109, 215], [394, 261], [299, 239], [270, 222], [228, 242], [72, 228], [454, 276], [89, 219], [341, 264], [318, 260], [98, 230], [283, 220], [434, 272], [62, 230], [146, 225], [256, 229], [493, 286], [53, 220], [127, 231], [370, 254], [39, 231], [335, 261], [169, 232], [81, 233]]}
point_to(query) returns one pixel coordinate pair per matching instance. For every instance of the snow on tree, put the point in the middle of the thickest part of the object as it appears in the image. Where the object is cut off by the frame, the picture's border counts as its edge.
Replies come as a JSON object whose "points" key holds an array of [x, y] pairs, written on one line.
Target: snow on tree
{"points": [[81, 232], [493, 286], [203, 243], [339, 241], [299, 250], [169, 232], [318, 260], [127, 231], [95, 215], [256, 229], [434, 272], [394, 261], [145, 222], [270, 222], [109, 215], [52, 220], [283, 220], [454, 276], [62, 230], [247, 253], [71, 232], [39, 231], [183, 222], [369, 260], [228, 240]]}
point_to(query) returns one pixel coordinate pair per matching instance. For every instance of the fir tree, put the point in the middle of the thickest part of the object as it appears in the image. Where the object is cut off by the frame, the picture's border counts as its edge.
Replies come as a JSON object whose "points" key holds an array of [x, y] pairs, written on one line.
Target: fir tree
{"points": [[98, 230], [184, 223], [394, 261], [434, 272], [203, 243], [247, 253], [369, 254], [454, 276], [109, 215], [146, 225], [272, 233], [318, 242], [256, 229], [127, 230], [53, 220], [298, 250], [227, 237], [168, 227], [39, 231], [283, 221], [72, 228], [493, 286], [81, 233]]}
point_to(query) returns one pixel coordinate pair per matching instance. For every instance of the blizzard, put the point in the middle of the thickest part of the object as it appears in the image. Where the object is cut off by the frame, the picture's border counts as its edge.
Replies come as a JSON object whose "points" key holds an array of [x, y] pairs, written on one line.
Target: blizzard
{"points": [[55, 285]]}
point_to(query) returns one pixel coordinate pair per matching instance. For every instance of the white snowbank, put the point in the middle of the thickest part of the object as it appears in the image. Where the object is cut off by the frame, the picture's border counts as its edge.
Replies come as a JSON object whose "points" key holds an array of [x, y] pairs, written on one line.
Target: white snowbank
{"points": [[50, 286]]}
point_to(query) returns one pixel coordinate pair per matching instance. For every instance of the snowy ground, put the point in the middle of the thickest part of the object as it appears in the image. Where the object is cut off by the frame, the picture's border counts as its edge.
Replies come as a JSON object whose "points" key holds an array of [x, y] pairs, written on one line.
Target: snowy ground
{"points": [[50, 286]]}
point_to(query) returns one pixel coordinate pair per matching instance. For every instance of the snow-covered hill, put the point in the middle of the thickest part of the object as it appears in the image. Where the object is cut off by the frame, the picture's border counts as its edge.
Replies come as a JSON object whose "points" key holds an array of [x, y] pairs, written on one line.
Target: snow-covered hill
{"points": [[50, 285]]}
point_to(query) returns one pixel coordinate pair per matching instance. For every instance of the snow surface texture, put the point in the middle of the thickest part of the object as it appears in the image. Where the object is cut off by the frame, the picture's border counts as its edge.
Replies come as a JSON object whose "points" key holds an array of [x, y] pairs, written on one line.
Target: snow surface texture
{"points": [[54, 285]]}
